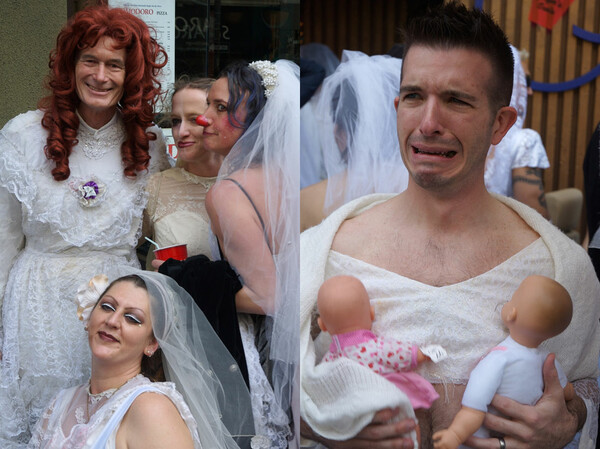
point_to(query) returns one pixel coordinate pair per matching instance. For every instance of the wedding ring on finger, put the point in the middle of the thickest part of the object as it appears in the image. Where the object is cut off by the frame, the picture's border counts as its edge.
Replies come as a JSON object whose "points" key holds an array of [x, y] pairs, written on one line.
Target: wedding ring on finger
{"points": [[502, 443]]}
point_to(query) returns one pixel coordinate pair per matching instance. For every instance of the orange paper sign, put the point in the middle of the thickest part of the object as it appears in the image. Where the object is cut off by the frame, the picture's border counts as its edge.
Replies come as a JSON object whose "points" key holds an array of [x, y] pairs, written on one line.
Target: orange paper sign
{"points": [[547, 12]]}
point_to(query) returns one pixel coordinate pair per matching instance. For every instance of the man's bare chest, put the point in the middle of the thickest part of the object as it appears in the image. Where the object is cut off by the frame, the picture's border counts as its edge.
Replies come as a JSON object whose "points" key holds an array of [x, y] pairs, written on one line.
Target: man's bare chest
{"points": [[436, 262]]}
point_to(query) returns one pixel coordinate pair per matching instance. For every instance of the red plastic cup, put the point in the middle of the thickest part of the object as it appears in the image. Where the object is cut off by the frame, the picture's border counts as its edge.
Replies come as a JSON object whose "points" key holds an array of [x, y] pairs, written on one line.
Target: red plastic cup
{"points": [[177, 252]]}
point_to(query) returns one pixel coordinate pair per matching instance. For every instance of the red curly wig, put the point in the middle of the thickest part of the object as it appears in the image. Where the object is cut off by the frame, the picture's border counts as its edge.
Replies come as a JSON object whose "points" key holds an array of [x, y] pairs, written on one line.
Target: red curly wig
{"points": [[141, 90]]}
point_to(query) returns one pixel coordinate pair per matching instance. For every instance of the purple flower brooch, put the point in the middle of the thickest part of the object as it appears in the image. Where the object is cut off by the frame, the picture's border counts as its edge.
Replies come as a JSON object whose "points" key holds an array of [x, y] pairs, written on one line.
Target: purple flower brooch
{"points": [[89, 193]]}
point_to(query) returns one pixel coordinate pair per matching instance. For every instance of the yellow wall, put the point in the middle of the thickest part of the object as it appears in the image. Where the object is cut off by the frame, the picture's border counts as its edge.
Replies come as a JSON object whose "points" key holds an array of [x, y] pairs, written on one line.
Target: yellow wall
{"points": [[28, 30]]}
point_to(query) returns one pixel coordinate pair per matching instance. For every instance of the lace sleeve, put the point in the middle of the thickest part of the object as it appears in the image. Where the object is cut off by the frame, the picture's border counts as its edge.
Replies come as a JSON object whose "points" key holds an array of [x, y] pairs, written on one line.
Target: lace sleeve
{"points": [[11, 239], [587, 389], [41, 434]]}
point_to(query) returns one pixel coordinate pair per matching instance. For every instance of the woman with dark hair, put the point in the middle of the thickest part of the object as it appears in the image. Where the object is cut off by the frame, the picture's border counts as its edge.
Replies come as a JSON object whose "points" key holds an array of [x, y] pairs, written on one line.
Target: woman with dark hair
{"points": [[72, 179], [160, 377], [253, 121]]}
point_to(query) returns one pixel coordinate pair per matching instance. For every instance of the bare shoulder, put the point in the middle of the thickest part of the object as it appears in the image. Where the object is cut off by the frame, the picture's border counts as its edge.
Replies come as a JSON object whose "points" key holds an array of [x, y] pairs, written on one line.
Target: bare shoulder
{"points": [[152, 403], [226, 199], [513, 227], [372, 225], [312, 202], [153, 421]]}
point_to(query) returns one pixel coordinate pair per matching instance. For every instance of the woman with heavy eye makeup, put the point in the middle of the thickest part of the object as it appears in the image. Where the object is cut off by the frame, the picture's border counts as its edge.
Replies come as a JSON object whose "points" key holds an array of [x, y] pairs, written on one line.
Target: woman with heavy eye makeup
{"points": [[160, 377]]}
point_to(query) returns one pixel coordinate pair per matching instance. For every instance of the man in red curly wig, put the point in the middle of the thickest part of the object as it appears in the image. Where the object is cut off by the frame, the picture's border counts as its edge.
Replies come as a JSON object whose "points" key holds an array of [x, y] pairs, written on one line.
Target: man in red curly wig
{"points": [[72, 181]]}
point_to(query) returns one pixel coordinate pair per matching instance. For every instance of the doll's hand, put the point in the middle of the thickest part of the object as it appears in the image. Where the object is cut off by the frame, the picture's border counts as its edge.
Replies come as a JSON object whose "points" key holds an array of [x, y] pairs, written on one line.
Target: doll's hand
{"points": [[379, 434], [435, 352], [445, 439], [548, 424]]}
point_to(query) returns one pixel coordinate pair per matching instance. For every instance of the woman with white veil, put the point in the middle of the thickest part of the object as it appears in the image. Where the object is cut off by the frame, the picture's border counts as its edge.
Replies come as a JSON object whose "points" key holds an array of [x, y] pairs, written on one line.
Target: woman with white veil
{"points": [[253, 120], [254, 214], [144, 329], [357, 128]]}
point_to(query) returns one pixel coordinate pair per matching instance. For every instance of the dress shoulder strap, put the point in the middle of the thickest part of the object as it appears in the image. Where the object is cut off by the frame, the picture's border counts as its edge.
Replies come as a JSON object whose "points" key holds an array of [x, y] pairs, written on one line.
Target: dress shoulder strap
{"points": [[262, 223], [115, 419]]}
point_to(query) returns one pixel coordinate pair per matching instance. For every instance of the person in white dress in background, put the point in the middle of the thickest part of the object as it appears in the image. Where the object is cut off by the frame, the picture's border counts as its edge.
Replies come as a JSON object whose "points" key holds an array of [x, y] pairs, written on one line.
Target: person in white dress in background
{"points": [[160, 376], [514, 167], [72, 180], [176, 213]]}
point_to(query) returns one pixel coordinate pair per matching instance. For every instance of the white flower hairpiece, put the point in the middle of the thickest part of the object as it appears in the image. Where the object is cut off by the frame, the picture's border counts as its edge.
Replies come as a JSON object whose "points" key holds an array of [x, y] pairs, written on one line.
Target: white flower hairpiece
{"points": [[269, 74], [89, 294]]}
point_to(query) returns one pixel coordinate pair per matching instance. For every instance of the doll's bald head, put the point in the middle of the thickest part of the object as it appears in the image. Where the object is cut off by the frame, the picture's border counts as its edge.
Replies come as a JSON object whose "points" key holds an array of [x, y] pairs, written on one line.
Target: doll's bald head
{"points": [[344, 305], [539, 309]]}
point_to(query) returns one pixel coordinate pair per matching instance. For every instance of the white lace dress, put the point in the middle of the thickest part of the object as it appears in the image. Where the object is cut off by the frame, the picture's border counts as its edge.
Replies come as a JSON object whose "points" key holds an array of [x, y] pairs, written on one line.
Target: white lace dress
{"points": [[56, 235], [270, 421], [76, 420], [176, 213]]}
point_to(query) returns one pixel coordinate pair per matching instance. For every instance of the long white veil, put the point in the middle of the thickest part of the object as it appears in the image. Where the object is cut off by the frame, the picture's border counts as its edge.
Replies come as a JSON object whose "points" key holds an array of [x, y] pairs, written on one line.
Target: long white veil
{"points": [[358, 131], [518, 98], [270, 147], [311, 154], [199, 364]]}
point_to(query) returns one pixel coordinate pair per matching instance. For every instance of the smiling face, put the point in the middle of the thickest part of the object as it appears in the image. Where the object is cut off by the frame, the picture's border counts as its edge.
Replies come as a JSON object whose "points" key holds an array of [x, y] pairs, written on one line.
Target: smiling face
{"points": [[120, 326], [220, 135], [99, 78], [187, 104], [445, 121]]}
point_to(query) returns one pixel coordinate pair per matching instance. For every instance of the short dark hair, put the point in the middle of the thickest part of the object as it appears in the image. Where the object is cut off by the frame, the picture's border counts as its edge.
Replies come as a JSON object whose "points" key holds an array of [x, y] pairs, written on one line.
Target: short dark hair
{"points": [[453, 25], [243, 83]]}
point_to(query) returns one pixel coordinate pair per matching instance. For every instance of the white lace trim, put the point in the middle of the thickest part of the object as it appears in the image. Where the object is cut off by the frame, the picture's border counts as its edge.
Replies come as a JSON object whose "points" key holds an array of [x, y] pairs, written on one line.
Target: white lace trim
{"points": [[93, 141], [205, 181], [270, 421], [49, 204]]}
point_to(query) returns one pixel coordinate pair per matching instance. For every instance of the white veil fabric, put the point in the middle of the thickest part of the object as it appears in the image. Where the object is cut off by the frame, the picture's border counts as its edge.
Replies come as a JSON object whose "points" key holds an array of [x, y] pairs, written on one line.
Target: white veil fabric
{"points": [[198, 363], [321, 54], [518, 99], [269, 149], [357, 126], [311, 154]]}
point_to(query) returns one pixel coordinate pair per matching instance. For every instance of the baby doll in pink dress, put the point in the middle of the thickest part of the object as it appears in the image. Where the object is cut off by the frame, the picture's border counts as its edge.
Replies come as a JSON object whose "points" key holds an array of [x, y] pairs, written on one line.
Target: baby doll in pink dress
{"points": [[346, 313]]}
